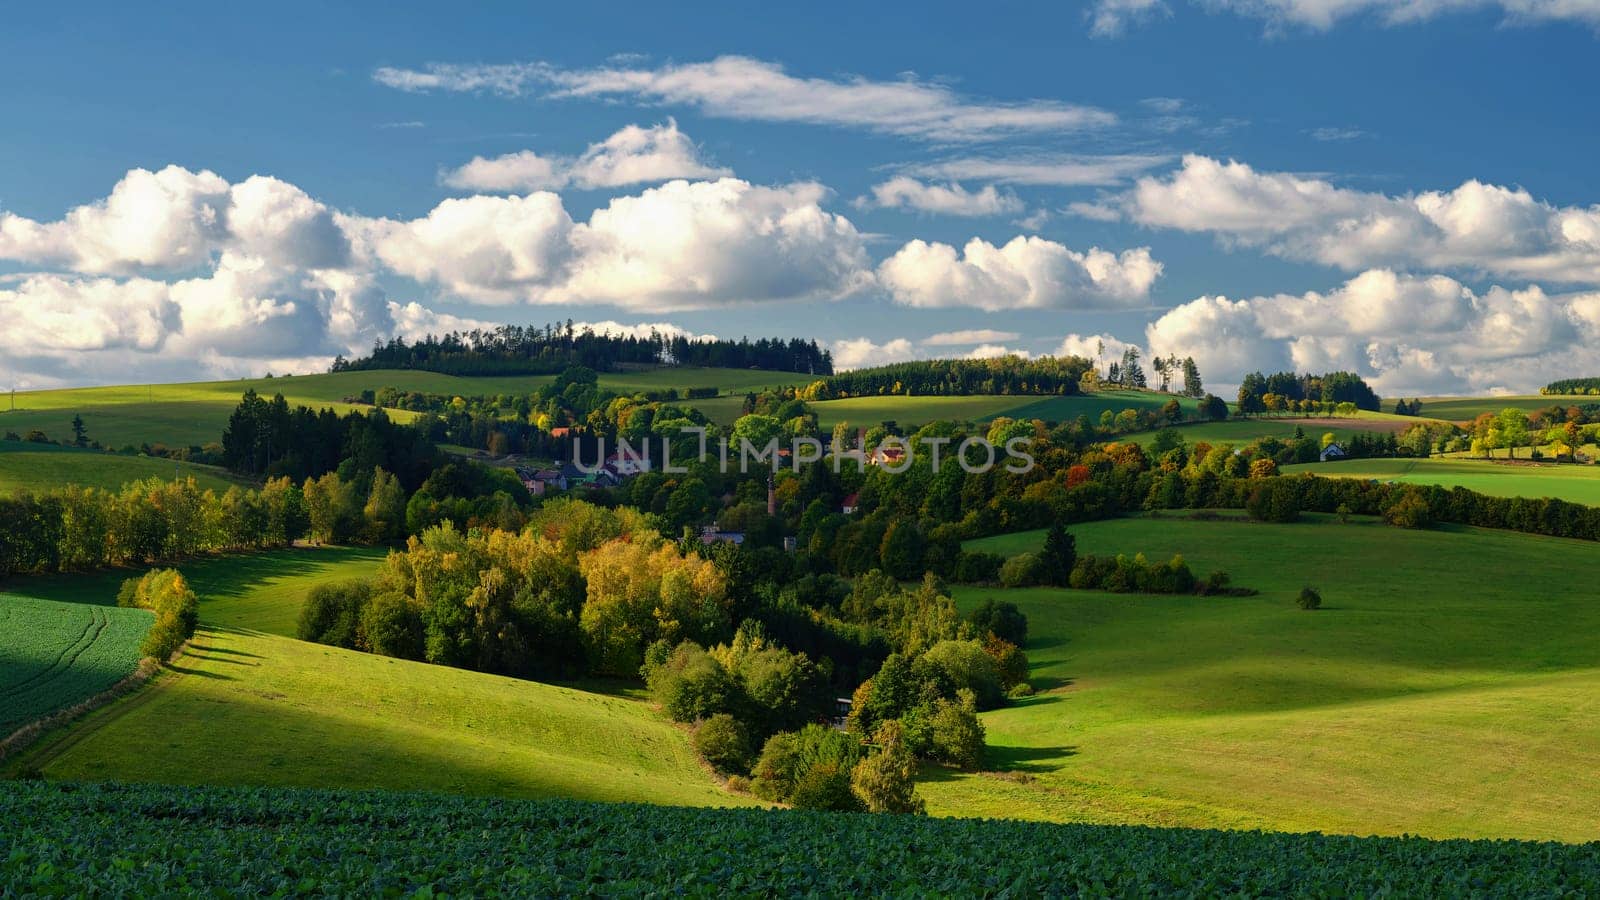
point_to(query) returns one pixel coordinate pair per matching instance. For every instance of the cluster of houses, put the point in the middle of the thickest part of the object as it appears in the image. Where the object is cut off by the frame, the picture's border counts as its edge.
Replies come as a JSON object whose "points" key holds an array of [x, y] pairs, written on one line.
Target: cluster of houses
{"points": [[568, 476]]}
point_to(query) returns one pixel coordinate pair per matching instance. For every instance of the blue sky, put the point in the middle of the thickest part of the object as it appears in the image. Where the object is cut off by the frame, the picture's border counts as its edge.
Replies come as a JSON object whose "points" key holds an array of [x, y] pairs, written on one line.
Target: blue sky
{"points": [[1406, 189]]}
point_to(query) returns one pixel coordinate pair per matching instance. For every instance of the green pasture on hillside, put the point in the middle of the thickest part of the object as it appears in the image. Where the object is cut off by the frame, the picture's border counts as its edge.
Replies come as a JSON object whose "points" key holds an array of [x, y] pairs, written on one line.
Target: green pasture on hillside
{"points": [[42, 467], [1574, 483], [196, 413], [1462, 409], [1450, 686], [253, 591]]}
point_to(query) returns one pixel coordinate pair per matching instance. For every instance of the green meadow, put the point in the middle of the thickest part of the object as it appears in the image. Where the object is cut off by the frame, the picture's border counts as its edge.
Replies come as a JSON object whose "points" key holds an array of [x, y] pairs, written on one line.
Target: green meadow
{"points": [[1446, 688], [1574, 483], [1462, 409], [195, 413], [246, 704], [41, 467], [1243, 431], [250, 591]]}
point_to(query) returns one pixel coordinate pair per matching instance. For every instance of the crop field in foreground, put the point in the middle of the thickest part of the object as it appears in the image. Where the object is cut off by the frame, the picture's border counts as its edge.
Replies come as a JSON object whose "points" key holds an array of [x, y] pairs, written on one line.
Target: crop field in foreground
{"points": [[42, 467], [195, 413], [1450, 686], [1576, 484], [71, 838], [258, 709], [54, 655]]}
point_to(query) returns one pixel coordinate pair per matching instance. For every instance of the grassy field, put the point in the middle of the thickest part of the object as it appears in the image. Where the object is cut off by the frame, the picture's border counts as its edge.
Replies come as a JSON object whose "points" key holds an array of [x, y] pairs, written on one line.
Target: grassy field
{"points": [[1462, 409], [195, 413], [1450, 686], [869, 411], [39, 467], [251, 591], [1578, 484], [1243, 431], [53, 655], [258, 709], [246, 704]]}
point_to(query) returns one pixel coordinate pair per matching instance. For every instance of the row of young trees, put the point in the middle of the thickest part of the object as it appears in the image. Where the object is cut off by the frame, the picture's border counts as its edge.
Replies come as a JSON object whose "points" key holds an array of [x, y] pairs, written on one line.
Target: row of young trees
{"points": [[1589, 386], [155, 521], [532, 350]]}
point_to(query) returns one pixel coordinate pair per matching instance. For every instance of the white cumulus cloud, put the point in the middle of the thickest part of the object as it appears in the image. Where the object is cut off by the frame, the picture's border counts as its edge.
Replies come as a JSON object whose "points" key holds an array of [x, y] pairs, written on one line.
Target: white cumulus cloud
{"points": [[950, 199], [1407, 334], [1025, 273], [1475, 227], [633, 155]]}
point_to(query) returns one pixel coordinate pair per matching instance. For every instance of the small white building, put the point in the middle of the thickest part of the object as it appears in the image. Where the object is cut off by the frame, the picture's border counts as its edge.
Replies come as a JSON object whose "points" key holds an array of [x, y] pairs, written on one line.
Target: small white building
{"points": [[1333, 451]]}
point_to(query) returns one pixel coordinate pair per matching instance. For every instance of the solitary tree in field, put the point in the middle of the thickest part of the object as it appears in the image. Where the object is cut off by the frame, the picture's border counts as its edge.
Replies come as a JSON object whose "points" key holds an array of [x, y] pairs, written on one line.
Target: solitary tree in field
{"points": [[1060, 554], [80, 435], [1309, 599]]}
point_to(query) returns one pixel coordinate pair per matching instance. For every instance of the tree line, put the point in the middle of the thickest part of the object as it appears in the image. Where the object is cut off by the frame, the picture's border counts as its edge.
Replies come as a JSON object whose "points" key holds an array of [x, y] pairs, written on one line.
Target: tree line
{"points": [[1589, 386], [1047, 375], [532, 350]]}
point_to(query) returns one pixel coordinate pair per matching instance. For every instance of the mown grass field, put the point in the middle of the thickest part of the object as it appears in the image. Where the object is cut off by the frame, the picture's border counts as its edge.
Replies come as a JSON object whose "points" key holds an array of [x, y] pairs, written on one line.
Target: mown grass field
{"points": [[248, 708], [54, 655], [1462, 409], [1450, 686], [1239, 432], [869, 411], [195, 413], [41, 467], [250, 591], [246, 704], [1578, 484]]}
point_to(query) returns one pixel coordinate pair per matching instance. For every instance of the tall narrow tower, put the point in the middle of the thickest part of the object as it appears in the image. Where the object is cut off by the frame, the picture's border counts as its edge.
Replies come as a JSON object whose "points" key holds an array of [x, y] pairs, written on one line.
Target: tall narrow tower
{"points": [[772, 496]]}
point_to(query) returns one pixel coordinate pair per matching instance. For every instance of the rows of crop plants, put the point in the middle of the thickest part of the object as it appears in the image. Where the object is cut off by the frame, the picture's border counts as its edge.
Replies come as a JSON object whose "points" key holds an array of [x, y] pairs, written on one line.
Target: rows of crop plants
{"points": [[118, 839], [58, 654]]}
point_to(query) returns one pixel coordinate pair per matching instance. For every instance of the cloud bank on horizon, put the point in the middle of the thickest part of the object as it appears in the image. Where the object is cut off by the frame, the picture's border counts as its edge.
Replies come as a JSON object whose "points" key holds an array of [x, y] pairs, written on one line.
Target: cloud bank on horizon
{"points": [[1478, 287]]}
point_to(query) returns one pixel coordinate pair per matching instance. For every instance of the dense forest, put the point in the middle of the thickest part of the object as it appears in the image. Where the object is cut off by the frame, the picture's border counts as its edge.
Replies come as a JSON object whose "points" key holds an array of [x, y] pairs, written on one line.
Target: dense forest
{"points": [[960, 377], [1572, 386], [519, 350], [1260, 393]]}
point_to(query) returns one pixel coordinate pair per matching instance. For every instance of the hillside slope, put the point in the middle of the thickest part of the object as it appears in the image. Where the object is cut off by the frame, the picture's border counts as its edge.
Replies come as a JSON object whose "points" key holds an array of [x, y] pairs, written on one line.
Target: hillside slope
{"points": [[256, 709], [1450, 686]]}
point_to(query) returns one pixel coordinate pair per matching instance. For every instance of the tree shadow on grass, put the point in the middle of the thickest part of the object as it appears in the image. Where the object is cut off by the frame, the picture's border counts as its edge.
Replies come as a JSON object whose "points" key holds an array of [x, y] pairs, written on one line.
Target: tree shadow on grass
{"points": [[185, 670], [226, 651], [1031, 760]]}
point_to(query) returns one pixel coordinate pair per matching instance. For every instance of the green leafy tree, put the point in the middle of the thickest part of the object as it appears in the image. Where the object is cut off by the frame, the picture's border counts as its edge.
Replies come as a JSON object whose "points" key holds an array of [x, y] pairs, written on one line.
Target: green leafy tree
{"points": [[885, 780]]}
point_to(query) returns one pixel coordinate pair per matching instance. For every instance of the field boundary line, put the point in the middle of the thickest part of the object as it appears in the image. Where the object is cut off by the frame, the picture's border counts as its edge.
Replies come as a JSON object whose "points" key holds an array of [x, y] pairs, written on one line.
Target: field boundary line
{"points": [[29, 735]]}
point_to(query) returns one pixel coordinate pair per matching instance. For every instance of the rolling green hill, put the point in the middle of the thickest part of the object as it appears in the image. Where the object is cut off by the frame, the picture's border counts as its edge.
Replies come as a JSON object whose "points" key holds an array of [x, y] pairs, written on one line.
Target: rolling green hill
{"points": [[40, 467], [246, 704], [54, 655], [1577, 484], [1447, 688], [1461, 409], [195, 413], [259, 709]]}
